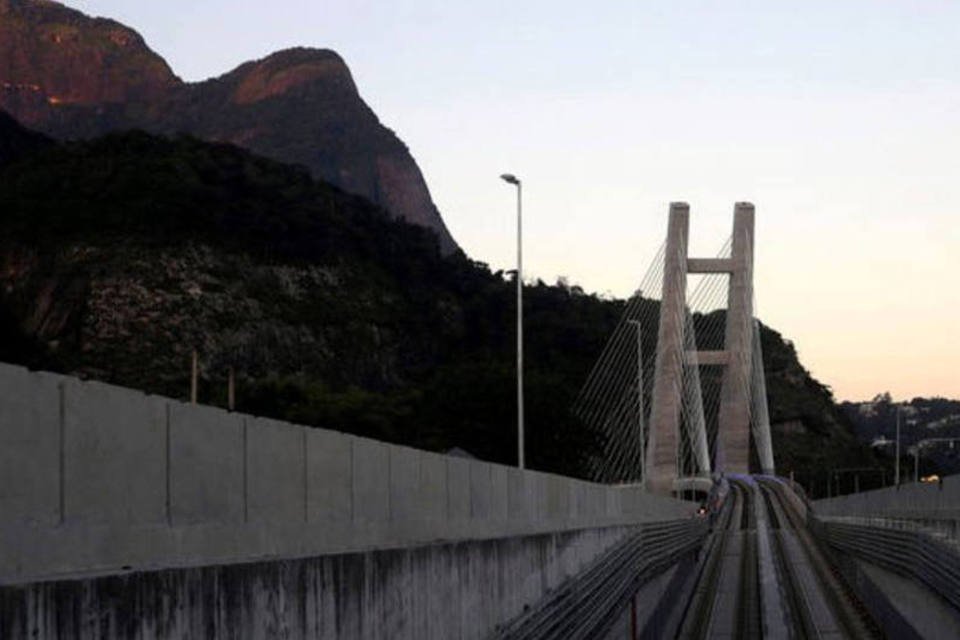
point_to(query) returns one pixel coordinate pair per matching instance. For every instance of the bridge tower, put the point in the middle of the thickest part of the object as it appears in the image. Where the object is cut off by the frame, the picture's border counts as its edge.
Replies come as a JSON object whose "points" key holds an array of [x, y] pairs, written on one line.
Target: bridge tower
{"points": [[737, 356]]}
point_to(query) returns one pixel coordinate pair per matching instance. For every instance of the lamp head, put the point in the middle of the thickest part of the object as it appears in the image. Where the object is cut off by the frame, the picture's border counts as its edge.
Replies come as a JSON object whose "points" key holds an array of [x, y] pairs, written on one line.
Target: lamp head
{"points": [[509, 177]]}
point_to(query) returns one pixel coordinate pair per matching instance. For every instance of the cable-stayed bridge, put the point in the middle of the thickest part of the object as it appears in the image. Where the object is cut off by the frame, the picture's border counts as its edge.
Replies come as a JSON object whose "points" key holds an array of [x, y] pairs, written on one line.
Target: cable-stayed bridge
{"points": [[135, 516], [679, 389]]}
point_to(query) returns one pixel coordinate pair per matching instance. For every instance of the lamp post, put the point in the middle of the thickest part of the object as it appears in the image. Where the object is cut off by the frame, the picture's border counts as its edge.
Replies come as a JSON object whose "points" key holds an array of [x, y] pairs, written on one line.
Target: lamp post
{"points": [[512, 179]]}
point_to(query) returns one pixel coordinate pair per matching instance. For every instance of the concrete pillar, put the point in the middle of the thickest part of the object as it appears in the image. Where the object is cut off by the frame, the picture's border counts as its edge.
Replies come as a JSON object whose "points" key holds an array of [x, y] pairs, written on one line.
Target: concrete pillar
{"points": [[696, 420], [733, 450], [761, 412], [660, 468]]}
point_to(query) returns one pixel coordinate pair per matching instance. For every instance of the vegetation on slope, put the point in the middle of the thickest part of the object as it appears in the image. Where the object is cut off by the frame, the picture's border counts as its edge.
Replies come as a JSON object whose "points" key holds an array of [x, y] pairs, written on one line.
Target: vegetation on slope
{"points": [[931, 423], [120, 256]]}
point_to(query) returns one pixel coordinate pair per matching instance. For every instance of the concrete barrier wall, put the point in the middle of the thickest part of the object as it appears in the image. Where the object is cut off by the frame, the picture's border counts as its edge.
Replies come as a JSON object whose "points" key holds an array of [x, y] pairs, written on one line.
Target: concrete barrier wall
{"points": [[918, 501], [456, 590], [100, 479]]}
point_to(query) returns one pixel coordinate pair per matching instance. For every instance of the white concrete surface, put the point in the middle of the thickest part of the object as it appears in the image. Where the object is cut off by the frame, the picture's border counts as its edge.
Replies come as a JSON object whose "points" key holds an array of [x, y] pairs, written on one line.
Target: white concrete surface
{"points": [[96, 479], [454, 590], [29, 447], [114, 455], [933, 501], [207, 472]]}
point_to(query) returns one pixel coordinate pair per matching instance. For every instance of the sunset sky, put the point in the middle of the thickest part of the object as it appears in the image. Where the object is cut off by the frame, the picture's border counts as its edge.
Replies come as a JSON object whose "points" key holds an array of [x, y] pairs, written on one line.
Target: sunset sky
{"points": [[839, 120]]}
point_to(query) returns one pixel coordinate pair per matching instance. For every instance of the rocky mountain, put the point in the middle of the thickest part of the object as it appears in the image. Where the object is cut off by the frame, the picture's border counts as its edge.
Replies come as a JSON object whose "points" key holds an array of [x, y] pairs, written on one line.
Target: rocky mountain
{"points": [[72, 76], [121, 255]]}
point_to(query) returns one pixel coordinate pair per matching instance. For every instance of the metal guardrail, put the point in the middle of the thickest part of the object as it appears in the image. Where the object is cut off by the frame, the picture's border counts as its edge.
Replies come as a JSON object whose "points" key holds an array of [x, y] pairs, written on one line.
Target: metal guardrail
{"points": [[903, 547], [946, 530], [584, 605], [829, 604], [894, 624]]}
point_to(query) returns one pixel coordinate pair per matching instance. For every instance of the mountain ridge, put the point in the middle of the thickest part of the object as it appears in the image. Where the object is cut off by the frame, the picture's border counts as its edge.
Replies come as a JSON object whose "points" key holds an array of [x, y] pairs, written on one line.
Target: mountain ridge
{"points": [[72, 76]]}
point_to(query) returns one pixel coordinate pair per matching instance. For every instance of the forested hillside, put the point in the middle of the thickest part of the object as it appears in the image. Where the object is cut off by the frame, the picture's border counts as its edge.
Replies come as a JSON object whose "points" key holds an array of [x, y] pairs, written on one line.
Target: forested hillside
{"points": [[120, 256], [931, 423]]}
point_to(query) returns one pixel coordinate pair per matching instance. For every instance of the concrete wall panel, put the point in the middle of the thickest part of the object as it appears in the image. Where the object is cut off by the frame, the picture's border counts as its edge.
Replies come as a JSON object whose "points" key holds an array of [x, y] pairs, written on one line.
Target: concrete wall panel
{"points": [[371, 481], [517, 510], [629, 501], [276, 478], [406, 504], [154, 482], [329, 476], [206, 465], [499, 493], [481, 491], [461, 591], [433, 486], [114, 455], [536, 491], [29, 446], [871, 500], [558, 499], [585, 501], [911, 500], [458, 489], [614, 502], [592, 503], [951, 493], [926, 497], [951, 482], [579, 498]]}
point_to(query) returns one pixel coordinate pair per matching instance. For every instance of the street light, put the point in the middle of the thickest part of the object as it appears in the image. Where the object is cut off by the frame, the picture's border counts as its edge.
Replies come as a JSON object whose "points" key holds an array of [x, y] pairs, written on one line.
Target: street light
{"points": [[512, 179]]}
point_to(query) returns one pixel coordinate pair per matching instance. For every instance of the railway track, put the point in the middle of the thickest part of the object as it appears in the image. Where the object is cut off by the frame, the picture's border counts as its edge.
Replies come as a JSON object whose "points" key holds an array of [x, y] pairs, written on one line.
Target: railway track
{"points": [[765, 575], [757, 573]]}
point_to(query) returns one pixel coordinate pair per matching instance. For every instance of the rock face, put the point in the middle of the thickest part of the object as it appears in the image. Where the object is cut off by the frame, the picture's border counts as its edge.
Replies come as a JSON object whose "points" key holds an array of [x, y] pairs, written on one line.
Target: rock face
{"points": [[121, 254], [51, 56], [72, 76]]}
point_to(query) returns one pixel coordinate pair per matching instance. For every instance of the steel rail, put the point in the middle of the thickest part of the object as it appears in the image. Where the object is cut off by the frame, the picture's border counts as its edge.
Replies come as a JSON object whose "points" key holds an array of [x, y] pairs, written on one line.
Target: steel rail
{"points": [[699, 608], [912, 553], [748, 623], [851, 615], [586, 604], [798, 605]]}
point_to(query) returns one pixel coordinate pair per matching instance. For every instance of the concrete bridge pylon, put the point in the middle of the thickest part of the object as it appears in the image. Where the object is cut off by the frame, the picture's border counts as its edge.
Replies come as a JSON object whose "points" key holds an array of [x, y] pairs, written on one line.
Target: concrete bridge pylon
{"points": [[737, 396]]}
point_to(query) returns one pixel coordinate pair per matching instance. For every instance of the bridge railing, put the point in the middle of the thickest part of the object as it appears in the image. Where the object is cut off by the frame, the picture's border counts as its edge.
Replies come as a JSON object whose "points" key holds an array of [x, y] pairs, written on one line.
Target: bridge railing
{"points": [[939, 501], [902, 547], [96, 478]]}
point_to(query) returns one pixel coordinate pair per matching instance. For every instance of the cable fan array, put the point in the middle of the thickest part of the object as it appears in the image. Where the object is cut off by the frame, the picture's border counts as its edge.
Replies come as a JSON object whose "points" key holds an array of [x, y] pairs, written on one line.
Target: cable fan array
{"points": [[616, 399]]}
